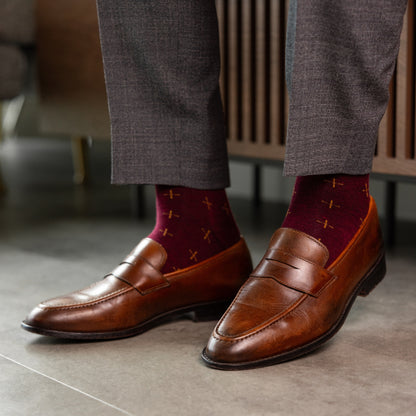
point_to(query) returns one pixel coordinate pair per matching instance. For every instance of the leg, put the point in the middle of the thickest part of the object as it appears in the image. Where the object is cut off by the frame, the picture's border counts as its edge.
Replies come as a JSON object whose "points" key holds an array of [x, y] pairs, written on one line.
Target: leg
{"points": [[343, 60], [340, 58], [345, 70], [161, 64], [161, 61]]}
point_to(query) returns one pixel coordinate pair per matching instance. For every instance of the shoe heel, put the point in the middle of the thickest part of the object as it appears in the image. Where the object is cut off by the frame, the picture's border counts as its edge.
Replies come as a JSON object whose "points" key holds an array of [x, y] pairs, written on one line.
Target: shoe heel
{"points": [[212, 312], [374, 277]]}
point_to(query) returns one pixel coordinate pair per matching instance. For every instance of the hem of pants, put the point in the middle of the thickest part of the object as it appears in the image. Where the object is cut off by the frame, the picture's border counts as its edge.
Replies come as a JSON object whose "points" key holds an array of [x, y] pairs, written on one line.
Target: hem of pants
{"points": [[330, 167], [172, 181]]}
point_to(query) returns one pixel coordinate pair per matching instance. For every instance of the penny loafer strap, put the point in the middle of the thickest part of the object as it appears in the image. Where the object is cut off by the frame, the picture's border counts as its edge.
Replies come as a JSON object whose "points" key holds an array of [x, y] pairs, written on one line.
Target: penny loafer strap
{"points": [[294, 272], [141, 275]]}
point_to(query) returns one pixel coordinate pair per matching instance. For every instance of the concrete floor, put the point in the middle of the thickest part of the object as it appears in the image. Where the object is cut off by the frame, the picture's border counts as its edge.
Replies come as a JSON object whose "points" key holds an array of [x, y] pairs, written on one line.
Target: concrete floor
{"points": [[55, 238]]}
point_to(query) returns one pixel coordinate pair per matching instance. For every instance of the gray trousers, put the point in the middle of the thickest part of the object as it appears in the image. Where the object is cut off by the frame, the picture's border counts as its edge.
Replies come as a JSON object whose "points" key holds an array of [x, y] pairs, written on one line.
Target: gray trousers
{"points": [[161, 62]]}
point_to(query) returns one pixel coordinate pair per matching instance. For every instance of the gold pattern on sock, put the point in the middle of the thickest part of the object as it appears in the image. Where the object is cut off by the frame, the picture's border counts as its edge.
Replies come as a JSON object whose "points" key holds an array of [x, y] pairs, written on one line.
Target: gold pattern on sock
{"points": [[193, 255], [207, 203], [365, 190], [165, 232], [334, 182], [207, 236], [330, 204], [170, 214], [325, 224], [226, 208], [171, 194]]}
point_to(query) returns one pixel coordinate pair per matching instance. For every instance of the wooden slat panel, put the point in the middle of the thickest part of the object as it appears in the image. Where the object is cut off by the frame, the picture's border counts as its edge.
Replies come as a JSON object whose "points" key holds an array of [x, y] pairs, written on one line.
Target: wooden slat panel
{"points": [[404, 94], [410, 145], [221, 4], [385, 141], [247, 71], [414, 114], [391, 118], [233, 68], [394, 166], [276, 89], [261, 94], [412, 84], [286, 97], [253, 150], [257, 99], [382, 137]]}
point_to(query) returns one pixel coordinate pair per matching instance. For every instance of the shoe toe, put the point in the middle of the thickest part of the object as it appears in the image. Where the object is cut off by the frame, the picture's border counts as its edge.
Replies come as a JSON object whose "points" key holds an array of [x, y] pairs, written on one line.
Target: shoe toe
{"points": [[43, 318]]}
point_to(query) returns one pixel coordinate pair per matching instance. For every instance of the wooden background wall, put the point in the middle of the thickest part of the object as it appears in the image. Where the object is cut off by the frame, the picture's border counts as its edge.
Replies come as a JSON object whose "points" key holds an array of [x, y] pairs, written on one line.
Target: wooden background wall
{"points": [[252, 36]]}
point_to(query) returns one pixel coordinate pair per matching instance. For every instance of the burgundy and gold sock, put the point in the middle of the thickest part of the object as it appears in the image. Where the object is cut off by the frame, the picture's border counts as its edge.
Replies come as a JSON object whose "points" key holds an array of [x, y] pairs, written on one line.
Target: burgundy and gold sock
{"points": [[192, 225], [330, 208]]}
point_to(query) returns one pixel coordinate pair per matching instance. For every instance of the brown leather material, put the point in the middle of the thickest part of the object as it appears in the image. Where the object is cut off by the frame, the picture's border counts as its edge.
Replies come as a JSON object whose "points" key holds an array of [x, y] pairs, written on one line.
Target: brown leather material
{"points": [[290, 270], [136, 295], [141, 275], [291, 304], [146, 249], [140, 268]]}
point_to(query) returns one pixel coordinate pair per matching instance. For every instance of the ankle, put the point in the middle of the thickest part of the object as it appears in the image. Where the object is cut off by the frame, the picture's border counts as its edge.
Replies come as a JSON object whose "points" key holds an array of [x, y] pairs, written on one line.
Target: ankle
{"points": [[330, 208], [192, 224]]}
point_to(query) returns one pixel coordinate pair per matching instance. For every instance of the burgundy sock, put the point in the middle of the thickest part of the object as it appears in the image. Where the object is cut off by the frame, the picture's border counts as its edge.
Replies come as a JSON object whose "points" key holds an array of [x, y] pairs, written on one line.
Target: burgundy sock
{"points": [[330, 208], [192, 225]]}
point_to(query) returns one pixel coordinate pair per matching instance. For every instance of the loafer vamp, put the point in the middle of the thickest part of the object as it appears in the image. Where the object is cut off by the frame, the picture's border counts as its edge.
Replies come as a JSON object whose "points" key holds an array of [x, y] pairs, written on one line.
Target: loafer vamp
{"points": [[260, 302], [107, 305], [136, 293], [291, 304]]}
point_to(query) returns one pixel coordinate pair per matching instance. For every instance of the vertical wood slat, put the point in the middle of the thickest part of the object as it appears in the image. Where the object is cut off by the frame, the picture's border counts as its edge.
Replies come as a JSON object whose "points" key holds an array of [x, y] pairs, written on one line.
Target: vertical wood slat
{"points": [[411, 145], [412, 115], [286, 94], [233, 69], [220, 4], [385, 142], [252, 43], [404, 94], [396, 142], [391, 118], [381, 150], [410, 99], [276, 74], [414, 92], [247, 71], [260, 60]]}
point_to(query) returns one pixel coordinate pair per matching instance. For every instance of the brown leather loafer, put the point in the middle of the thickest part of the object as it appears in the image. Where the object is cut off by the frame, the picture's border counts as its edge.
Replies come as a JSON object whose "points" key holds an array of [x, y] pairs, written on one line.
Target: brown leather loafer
{"points": [[292, 304], [137, 296]]}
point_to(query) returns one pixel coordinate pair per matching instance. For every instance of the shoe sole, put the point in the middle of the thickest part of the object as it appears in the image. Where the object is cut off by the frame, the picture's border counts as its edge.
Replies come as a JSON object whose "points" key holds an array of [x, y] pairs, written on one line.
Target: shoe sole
{"points": [[373, 277], [198, 313]]}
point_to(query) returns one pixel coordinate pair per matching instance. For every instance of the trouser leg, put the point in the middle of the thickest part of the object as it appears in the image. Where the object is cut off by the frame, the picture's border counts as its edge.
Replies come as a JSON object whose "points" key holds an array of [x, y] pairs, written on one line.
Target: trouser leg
{"points": [[340, 59], [161, 62]]}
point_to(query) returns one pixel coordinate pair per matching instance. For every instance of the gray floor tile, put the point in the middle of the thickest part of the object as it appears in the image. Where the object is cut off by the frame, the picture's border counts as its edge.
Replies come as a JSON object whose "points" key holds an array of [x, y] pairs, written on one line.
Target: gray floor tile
{"points": [[27, 392]]}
